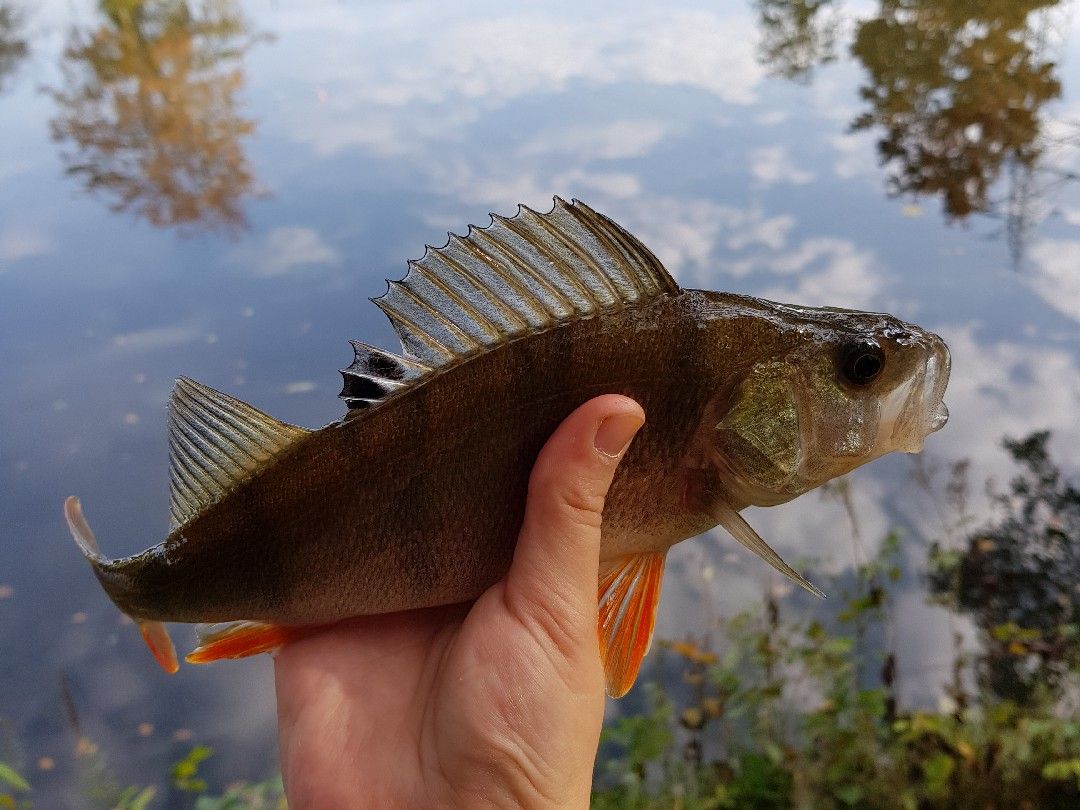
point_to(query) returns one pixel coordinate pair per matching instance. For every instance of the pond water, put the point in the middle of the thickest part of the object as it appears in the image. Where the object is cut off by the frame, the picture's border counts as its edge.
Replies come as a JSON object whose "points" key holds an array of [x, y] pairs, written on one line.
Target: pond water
{"points": [[214, 189]]}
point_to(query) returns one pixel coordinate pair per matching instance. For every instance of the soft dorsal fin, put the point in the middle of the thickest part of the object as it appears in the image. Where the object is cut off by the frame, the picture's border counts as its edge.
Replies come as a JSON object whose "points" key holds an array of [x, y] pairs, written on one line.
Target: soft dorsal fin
{"points": [[521, 275], [215, 443]]}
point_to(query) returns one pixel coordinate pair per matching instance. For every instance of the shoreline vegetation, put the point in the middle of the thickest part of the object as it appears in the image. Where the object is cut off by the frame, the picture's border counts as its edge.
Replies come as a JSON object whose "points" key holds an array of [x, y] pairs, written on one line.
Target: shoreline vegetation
{"points": [[790, 708]]}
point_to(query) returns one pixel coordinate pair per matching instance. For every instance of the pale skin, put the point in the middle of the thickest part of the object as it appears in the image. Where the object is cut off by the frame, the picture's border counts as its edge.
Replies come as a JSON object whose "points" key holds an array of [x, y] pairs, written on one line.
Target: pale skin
{"points": [[494, 704]]}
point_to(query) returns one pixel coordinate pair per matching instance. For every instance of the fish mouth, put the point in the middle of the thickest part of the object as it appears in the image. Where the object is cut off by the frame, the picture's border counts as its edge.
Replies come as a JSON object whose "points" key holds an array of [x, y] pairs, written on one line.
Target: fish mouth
{"points": [[916, 409], [938, 368]]}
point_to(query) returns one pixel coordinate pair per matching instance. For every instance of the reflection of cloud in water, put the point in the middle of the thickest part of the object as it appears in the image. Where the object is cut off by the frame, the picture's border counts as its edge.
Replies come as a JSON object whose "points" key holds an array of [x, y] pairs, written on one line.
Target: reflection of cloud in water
{"points": [[712, 576], [605, 141], [1057, 274], [854, 156], [159, 338], [487, 63], [772, 164], [284, 250], [1006, 388], [695, 237], [21, 243], [827, 271]]}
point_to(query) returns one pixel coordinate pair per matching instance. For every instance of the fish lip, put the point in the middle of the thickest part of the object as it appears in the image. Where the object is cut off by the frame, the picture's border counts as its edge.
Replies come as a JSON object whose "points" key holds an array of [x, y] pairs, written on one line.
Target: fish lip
{"points": [[938, 369], [939, 415], [917, 408]]}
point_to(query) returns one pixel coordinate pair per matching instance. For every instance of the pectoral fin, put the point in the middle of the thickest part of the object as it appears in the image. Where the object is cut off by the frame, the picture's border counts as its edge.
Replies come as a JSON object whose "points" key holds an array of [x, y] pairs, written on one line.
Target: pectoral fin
{"points": [[742, 531], [629, 593]]}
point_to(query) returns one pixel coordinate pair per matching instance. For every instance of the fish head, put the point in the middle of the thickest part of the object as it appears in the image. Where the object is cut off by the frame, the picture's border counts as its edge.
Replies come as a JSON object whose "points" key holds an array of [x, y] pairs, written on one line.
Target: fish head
{"points": [[845, 388]]}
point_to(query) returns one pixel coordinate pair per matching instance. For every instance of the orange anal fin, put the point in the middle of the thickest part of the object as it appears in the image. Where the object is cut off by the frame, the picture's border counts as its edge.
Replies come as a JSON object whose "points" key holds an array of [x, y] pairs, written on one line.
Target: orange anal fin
{"points": [[629, 593], [157, 639], [240, 640]]}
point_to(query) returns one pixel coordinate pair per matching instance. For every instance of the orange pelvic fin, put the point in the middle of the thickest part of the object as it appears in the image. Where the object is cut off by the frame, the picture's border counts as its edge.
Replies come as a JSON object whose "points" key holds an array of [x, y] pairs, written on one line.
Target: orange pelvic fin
{"points": [[629, 593], [239, 640], [157, 639]]}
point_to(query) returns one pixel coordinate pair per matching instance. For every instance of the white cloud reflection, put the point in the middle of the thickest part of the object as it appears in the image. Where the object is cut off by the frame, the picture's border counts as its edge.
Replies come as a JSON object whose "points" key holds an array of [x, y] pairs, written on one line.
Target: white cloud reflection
{"points": [[771, 165], [605, 141], [284, 250], [21, 243], [827, 271], [483, 64], [1007, 388], [1057, 274]]}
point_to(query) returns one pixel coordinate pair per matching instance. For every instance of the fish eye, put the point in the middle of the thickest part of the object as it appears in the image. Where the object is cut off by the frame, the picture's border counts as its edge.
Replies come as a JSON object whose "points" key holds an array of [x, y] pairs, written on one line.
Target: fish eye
{"points": [[862, 362]]}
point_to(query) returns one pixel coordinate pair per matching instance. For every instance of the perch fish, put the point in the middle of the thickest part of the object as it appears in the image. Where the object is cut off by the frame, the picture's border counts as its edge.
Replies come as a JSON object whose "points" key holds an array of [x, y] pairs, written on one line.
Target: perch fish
{"points": [[414, 498]]}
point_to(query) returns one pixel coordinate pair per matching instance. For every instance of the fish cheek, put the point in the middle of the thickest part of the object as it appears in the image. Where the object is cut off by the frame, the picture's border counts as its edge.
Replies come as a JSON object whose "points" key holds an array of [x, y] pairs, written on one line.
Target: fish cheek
{"points": [[760, 436], [843, 424]]}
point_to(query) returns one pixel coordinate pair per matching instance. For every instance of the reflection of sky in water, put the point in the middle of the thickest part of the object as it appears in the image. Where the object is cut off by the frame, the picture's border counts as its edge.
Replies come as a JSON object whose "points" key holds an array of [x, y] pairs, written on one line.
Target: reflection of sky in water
{"points": [[372, 131]]}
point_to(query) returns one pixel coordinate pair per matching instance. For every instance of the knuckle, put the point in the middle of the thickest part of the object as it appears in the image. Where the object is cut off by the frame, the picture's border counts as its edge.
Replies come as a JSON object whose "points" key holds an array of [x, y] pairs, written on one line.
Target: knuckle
{"points": [[579, 501]]}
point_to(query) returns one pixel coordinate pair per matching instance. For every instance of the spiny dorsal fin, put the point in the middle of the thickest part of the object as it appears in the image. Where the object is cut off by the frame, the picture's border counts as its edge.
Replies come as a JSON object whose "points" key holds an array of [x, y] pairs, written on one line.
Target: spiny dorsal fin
{"points": [[215, 443], [521, 275], [375, 374]]}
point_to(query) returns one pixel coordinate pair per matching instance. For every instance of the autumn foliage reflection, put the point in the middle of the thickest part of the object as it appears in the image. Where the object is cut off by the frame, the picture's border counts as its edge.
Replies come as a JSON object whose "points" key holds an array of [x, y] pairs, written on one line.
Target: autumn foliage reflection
{"points": [[797, 36], [13, 47], [149, 110], [956, 88]]}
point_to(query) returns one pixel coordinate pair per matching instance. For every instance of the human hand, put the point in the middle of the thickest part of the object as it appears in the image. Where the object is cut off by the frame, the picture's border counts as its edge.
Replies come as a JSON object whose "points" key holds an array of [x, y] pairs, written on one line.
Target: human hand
{"points": [[494, 704]]}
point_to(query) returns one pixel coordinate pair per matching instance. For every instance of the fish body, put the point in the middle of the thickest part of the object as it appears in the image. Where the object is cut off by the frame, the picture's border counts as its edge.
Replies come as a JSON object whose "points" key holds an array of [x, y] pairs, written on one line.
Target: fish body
{"points": [[414, 499]]}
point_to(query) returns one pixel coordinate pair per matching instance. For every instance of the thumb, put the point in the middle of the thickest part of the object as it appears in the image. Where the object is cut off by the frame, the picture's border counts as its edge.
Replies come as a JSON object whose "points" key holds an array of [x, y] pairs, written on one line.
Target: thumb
{"points": [[553, 579]]}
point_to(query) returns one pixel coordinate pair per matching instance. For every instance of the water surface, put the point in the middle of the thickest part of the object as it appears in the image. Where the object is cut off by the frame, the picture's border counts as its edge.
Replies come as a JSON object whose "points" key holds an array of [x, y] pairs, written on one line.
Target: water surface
{"points": [[215, 190]]}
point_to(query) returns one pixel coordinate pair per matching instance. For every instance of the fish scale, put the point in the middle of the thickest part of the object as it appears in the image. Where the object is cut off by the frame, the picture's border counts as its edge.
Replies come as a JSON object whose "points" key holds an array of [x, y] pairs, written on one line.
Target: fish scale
{"points": [[415, 497]]}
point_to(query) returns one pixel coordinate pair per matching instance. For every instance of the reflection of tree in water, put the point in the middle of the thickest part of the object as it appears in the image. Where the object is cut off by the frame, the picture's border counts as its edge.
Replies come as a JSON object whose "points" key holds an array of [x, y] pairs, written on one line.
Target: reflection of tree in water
{"points": [[13, 47], [149, 103], [797, 36], [957, 87]]}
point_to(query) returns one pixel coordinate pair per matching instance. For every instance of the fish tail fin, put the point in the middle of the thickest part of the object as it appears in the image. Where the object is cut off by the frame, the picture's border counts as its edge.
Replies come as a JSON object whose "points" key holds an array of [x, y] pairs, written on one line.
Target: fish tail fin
{"points": [[83, 534], [154, 633], [240, 640]]}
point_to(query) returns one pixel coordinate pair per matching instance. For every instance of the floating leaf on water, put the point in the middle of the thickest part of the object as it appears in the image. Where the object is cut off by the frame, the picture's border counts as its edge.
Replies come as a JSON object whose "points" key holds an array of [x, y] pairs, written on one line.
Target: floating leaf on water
{"points": [[85, 747], [9, 776]]}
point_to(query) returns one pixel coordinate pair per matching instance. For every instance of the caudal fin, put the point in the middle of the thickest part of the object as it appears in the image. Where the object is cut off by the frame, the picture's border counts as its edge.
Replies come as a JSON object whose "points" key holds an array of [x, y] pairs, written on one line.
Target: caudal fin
{"points": [[154, 633], [81, 531]]}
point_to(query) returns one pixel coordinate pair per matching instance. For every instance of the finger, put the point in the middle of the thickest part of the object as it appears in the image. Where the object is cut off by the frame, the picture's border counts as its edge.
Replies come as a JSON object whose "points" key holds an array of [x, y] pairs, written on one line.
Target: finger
{"points": [[553, 577]]}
